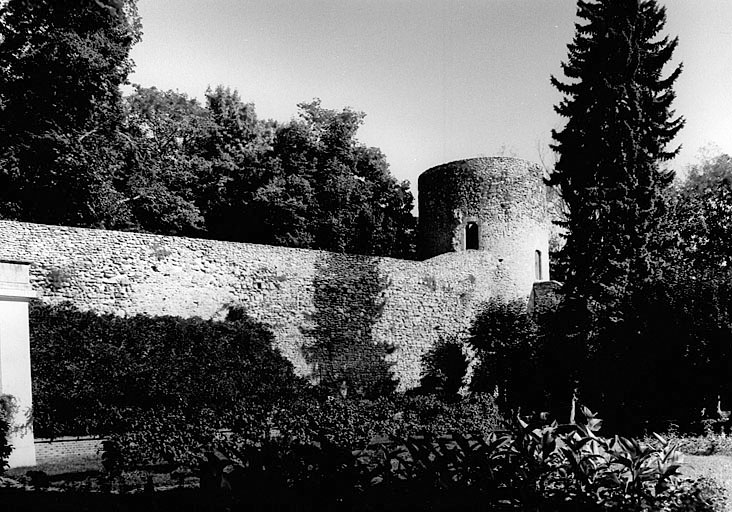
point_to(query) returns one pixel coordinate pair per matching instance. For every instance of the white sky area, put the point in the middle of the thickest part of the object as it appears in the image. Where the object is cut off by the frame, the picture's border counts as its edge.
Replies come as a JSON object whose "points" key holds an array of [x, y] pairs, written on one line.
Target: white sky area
{"points": [[438, 80]]}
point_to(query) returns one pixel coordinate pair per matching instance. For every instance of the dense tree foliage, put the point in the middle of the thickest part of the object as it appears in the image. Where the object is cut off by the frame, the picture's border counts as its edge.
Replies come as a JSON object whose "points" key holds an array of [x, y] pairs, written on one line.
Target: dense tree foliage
{"points": [[234, 145], [307, 183], [609, 173], [619, 123], [696, 231], [75, 152], [346, 187], [62, 64], [696, 256], [161, 168]]}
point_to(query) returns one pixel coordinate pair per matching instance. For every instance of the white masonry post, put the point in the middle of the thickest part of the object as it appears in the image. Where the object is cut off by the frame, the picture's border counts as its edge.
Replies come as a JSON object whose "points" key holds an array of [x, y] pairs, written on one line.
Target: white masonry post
{"points": [[15, 367]]}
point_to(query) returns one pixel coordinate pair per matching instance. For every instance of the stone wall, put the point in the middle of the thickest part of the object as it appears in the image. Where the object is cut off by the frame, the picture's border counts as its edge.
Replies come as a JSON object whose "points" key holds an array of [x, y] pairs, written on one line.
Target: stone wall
{"points": [[386, 309], [545, 298]]}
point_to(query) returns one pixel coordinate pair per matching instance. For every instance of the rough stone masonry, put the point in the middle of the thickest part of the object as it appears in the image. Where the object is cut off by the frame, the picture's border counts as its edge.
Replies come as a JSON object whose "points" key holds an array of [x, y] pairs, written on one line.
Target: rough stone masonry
{"points": [[302, 294]]}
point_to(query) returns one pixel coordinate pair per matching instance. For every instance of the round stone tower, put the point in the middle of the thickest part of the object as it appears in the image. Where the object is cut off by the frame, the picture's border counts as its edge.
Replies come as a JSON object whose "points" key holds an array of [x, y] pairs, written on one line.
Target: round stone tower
{"points": [[497, 205]]}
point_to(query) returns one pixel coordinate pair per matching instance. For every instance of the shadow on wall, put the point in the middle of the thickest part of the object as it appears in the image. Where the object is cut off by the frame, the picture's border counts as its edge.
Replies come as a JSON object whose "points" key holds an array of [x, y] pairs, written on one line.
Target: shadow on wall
{"points": [[348, 300], [444, 367]]}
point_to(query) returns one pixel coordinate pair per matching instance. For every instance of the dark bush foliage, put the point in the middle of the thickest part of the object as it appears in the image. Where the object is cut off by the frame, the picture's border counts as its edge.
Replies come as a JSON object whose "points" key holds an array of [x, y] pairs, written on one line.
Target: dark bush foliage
{"points": [[530, 467], [8, 409], [667, 356], [171, 437], [443, 367], [350, 424], [507, 342], [92, 374], [353, 423]]}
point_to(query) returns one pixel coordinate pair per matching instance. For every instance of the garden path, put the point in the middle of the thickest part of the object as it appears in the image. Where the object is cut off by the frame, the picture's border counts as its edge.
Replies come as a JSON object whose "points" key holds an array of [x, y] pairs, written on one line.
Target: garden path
{"points": [[717, 467]]}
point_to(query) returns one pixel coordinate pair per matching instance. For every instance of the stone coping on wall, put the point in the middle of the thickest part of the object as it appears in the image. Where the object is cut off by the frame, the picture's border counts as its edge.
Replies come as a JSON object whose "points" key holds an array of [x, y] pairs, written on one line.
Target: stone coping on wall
{"points": [[72, 439], [67, 439], [16, 294], [15, 262], [15, 280], [176, 239]]}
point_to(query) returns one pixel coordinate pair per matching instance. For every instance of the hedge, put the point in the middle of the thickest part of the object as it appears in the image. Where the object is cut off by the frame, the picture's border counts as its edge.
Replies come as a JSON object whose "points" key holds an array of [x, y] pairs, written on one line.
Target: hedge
{"points": [[92, 373], [308, 417]]}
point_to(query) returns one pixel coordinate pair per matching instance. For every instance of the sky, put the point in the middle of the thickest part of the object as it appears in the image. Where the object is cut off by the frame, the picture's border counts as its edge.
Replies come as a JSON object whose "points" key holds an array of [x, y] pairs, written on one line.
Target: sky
{"points": [[438, 80]]}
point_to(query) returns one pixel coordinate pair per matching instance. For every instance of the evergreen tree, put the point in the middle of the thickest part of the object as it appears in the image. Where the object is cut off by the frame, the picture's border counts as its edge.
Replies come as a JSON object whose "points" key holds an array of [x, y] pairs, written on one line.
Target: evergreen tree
{"points": [[617, 101], [619, 123]]}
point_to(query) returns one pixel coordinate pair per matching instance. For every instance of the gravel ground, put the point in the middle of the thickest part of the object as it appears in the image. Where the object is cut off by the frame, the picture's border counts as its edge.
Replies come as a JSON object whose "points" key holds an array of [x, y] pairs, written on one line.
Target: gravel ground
{"points": [[717, 467]]}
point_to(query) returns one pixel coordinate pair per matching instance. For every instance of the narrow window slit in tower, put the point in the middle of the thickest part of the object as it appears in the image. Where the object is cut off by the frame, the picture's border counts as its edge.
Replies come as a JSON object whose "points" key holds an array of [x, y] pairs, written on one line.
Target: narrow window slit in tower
{"points": [[471, 236], [537, 265]]}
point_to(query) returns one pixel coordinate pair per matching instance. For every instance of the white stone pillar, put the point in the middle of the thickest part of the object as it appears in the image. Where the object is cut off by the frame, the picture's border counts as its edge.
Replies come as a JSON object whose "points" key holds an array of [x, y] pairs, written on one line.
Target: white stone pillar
{"points": [[15, 367]]}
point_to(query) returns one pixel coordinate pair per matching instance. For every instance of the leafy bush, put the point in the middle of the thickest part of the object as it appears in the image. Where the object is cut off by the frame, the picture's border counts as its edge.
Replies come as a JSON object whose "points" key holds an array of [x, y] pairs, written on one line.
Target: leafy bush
{"points": [[94, 373], [8, 409], [507, 343], [532, 467], [673, 334], [178, 439], [352, 423], [444, 367], [163, 436]]}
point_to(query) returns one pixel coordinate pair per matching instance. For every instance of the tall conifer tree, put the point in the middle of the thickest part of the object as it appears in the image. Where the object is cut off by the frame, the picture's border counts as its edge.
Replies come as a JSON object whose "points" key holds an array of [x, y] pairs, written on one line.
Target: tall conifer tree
{"points": [[617, 102]]}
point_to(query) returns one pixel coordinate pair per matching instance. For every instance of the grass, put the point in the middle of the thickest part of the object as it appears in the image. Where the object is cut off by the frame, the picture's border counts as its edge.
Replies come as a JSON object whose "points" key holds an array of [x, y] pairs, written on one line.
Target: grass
{"points": [[85, 473], [65, 466], [712, 442], [708, 461], [713, 476]]}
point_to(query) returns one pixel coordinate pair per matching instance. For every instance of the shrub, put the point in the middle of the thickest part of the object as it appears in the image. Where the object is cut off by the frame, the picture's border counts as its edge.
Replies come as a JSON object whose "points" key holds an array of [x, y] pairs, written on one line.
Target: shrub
{"points": [[444, 367], [162, 436], [178, 439], [92, 372], [532, 467], [8, 409], [507, 343], [672, 335], [352, 424]]}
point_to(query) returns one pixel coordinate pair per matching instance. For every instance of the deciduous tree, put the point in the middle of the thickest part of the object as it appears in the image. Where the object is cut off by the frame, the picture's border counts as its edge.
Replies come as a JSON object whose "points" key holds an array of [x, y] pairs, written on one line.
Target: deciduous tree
{"points": [[235, 146], [162, 168], [62, 63], [306, 183], [356, 205]]}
